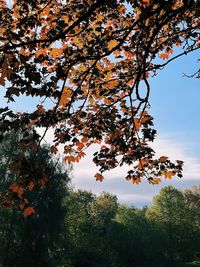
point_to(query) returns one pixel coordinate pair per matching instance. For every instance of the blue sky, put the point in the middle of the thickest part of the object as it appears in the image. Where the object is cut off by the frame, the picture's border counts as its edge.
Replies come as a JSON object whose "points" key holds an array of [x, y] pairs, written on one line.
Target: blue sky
{"points": [[175, 107]]}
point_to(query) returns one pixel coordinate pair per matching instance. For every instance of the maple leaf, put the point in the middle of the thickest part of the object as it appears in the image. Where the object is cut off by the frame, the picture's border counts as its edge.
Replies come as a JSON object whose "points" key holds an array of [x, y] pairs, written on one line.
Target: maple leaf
{"points": [[14, 187], [99, 177], [163, 159], [20, 191], [80, 145], [30, 186], [54, 150], [28, 211], [66, 94], [168, 174], [136, 181], [164, 56], [112, 44], [145, 2], [84, 140], [21, 206]]}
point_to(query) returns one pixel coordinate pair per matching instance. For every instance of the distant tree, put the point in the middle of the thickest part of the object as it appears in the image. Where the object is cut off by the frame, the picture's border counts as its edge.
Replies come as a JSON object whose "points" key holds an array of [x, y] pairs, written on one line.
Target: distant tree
{"points": [[193, 200], [89, 219], [131, 239], [170, 211]]}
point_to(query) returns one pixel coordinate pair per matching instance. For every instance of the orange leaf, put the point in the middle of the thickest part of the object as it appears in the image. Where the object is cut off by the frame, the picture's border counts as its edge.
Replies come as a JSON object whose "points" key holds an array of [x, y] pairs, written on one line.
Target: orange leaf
{"points": [[164, 56], [137, 124], [112, 44], [145, 2], [21, 206], [30, 186], [84, 139], [99, 177], [66, 94], [14, 187], [168, 175], [28, 211], [136, 181], [26, 200], [20, 191], [55, 52], [80, 145], [112, 83]]}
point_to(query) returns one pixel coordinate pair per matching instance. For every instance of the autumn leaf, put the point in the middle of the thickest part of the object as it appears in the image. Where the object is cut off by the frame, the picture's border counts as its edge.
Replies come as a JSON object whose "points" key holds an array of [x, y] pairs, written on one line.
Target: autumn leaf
{"points": [[54, 150], [20, 191], [145, 2], [28, 211], [163, 159], [112, 44], [66, 94], [164, 56], [43, 181], [113, 83], [168, 175], [99, 177], [84, 140], [154, 181], [55, 52], [137, 124], [21, 206], [41, 52], [80, 145], [17, 189], [30, 186], [136, 181], [14, 187]]}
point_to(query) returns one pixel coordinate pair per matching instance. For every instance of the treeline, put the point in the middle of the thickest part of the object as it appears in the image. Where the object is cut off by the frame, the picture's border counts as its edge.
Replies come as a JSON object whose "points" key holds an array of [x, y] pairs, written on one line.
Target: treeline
{"points": [[76, 228]]}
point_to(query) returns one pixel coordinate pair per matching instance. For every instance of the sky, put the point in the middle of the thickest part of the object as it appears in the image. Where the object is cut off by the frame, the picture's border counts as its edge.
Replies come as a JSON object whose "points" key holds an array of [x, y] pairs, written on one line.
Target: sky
{"points": [[175, 107]]}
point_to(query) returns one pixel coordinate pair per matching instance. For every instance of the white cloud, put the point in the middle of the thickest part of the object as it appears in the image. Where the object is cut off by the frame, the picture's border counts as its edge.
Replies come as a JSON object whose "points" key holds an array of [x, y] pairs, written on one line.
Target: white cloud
{"points": [[177, 151]]}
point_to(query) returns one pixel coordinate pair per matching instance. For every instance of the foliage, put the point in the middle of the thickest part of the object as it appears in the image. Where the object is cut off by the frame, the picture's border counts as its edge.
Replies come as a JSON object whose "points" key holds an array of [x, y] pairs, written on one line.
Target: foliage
{"points": [[171, 211], [38, 236], [88, 63]]}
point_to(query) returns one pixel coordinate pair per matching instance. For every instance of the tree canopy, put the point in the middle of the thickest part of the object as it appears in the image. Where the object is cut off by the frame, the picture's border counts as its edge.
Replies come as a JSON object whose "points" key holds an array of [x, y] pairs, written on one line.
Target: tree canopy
{"points": [[88, 64]]}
